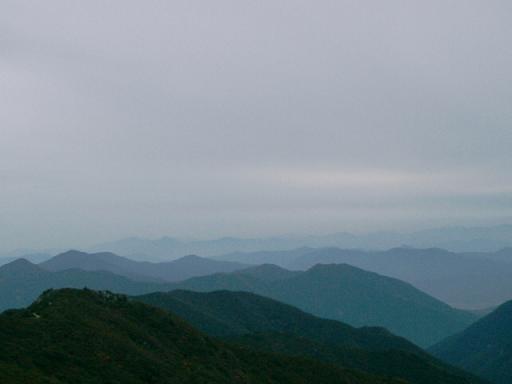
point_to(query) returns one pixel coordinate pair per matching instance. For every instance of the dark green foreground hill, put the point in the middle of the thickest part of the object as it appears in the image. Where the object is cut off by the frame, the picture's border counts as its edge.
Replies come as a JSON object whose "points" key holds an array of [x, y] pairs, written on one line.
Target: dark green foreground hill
{"points": [[485, 348], [265, 324], [80, 336]]}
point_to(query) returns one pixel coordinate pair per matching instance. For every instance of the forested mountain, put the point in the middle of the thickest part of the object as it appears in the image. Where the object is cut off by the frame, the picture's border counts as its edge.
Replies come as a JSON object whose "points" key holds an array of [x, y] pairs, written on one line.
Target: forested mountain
{"points": [[81, 336], [472, 280], [268, 325], [484, 348], [352, 295], [335, 291]]}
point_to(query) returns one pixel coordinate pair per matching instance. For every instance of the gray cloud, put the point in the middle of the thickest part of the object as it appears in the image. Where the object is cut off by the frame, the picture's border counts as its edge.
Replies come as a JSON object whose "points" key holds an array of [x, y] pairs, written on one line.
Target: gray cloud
{"points": [[199, 118]]}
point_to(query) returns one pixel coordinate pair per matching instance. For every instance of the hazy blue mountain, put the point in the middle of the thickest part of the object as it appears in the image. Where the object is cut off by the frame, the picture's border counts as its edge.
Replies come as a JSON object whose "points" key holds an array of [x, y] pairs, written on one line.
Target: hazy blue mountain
{"points": [[504, 255], [459, 279], [283, 258], [484, 348], [37, 257], [338, 292], [464, 239], [167, 248], [268, 272], [352, 295], [476, 239], [81, 336], [269, 325], [180, 269], [102, 261], [21, 282], [464, 280]]}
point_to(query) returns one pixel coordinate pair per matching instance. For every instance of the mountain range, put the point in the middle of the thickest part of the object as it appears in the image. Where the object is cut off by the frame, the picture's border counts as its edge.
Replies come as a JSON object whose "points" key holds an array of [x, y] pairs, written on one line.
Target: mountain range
{"points": [[81, 336], [469, 280], [21, 282], [485, 348], [462, 239], [349, 294], [473, 281], [180, 269], [336, 291], [268, 325], [465, 280]]}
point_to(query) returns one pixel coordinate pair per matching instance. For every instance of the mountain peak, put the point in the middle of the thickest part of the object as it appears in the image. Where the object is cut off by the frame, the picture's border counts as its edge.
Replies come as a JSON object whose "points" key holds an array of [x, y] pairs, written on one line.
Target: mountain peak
{"points": [[268, 272], [20, 261], [82, 260], [344, 270], [71, 253], [334, 267], [19, 266], [191, 259]]}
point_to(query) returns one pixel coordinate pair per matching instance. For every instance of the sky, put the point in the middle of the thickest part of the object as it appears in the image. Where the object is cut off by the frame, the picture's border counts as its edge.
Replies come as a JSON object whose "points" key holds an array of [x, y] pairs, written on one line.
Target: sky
{"points": [[251, 118]]}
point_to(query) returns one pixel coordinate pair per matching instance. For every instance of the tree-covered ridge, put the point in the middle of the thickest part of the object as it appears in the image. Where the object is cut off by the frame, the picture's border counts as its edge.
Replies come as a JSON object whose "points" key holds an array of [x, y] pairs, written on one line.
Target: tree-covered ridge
{"points": [[484, 348], [352, 295], [81, 336], [335, 291], [265, 324]]}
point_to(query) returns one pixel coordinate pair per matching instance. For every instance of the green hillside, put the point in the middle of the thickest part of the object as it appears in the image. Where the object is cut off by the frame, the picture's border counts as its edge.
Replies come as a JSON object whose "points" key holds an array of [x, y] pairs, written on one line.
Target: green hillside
{"points": [[485, 348], [81, 336], [269, 325], [352, 295]]}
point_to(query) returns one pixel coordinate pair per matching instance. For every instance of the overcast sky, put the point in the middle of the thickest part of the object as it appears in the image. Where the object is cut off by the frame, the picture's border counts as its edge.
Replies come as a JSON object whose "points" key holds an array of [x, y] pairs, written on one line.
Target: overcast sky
{"points": [[251, 118]]}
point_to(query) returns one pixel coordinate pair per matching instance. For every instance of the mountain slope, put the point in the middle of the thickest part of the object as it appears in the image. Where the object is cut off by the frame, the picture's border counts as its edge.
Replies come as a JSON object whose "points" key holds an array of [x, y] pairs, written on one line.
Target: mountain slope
{"points": [[364, 298], [268, 272], [465, 280], [268, 325], [227, 313], [71, 336], [32, 257], [180, 269], [352, 295], [338, 292], [484, 348]]}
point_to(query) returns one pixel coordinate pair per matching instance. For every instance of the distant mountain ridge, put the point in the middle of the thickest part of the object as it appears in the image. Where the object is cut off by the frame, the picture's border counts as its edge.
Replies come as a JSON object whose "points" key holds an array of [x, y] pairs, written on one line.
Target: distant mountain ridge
{"points": [[484, 348], [462, 239], [180, 269], [349, 294], [32, 257], [466, 280], [21, 282], [338, 292]]}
